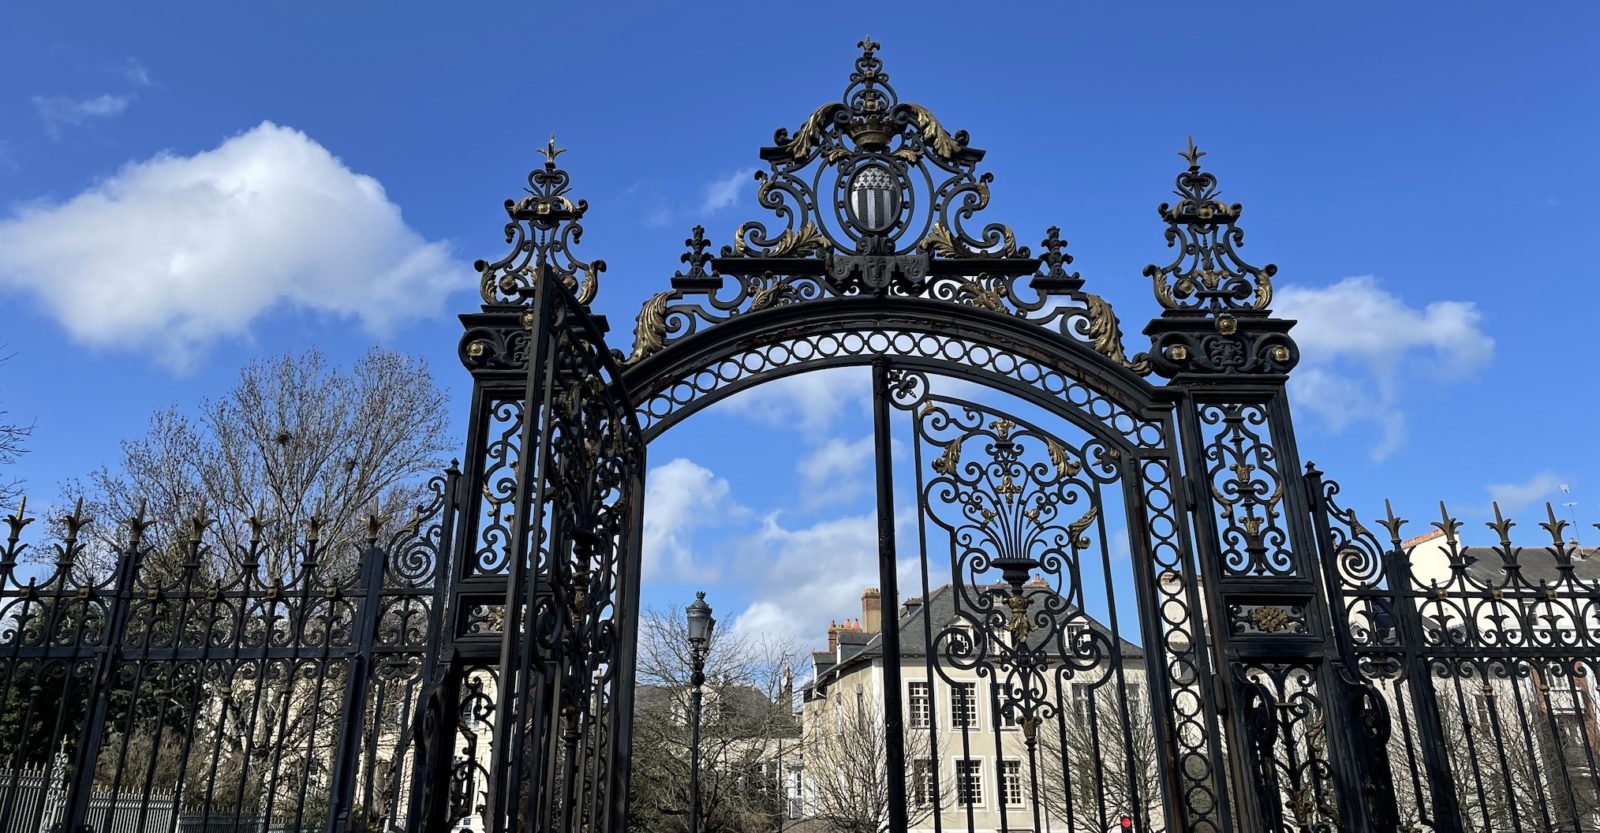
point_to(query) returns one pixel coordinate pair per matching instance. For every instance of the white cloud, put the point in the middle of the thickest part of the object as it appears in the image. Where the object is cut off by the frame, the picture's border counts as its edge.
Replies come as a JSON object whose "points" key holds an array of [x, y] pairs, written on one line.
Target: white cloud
{"points": [[809, 402], [174, 252], [60, 111], [835, 471], [680, 496], [1364, 351], [723, 193], [1514, 497], [136, 73], [809, 575]]}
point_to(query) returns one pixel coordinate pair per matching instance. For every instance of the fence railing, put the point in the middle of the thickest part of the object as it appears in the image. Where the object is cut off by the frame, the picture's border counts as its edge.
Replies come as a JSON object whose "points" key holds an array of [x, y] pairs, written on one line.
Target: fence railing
{"points": [[189, 683], [1486, 657], [40, 806]]}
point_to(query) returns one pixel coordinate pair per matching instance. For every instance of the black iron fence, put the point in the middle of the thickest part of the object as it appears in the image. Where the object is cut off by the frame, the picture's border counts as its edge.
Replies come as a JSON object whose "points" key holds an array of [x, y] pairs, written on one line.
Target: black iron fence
{"points": [[1486, 659], [160, 683]]}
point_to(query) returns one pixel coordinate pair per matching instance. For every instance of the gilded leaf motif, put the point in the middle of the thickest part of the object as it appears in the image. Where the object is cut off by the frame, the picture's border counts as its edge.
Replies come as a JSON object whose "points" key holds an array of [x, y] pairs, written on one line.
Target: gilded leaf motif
{"points": [[1105, 334], [650, 328], [933, 133], [810, 133], [798, 243], [983, 296], [770, 295], [1065, 466], [1076, 529]]}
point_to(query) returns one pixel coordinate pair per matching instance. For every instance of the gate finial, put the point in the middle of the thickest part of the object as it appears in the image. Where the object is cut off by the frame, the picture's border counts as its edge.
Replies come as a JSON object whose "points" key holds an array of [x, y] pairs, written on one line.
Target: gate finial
{"points": [[543, 228], [1215, 316]]}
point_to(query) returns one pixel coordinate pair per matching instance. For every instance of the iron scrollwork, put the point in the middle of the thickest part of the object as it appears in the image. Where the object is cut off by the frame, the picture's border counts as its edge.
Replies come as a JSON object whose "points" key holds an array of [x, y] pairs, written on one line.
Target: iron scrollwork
{"points": [[1021, 508], [1216, 318], [876, 198], [1247, 489], [543, 230]]}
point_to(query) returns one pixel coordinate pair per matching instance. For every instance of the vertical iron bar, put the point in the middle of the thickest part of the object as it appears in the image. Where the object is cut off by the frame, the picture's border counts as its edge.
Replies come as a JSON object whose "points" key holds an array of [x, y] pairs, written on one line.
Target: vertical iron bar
{"points": [[99, 698], [1424, 699], [425, 769], [893, 718], [505, 770], [628, 570], [348, 751]]}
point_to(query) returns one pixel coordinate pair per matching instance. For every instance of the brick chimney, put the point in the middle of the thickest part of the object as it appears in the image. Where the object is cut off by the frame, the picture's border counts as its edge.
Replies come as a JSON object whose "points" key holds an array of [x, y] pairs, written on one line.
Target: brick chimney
{"points": [[833, 636], [871, 610]]}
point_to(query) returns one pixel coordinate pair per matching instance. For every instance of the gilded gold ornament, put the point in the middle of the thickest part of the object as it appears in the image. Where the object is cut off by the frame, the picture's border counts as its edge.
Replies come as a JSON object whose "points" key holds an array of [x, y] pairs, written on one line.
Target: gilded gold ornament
{"points": [[1270, 619], [649, 328], [1105, 334]]}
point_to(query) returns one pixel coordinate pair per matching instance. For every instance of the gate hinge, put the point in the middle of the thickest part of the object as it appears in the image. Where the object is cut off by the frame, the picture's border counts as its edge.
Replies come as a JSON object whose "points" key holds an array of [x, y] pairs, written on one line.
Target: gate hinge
{"points": [[1191, 493]]}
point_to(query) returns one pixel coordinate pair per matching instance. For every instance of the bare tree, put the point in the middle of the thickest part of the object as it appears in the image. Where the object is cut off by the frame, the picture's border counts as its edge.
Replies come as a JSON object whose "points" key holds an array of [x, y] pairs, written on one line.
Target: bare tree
{"points": [[1512, 758], [13, 437], [847, 769], [1096, 767], [748, 729], [296, 443], [288, 463]]}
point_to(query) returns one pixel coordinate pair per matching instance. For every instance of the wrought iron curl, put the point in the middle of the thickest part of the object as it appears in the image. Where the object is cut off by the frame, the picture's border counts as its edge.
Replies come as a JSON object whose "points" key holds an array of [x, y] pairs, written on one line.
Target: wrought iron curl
{"points": [[543, 232]]}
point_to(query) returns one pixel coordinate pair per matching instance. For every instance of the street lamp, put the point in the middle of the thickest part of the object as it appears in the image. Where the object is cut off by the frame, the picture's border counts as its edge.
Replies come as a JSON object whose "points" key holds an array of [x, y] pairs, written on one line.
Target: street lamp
{"points": [[701, 624]]}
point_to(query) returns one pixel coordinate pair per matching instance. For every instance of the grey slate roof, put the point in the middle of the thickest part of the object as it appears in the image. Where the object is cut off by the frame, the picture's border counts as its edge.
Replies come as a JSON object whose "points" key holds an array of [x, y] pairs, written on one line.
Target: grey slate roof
{"points": [[1536, 564], [916, 617]]}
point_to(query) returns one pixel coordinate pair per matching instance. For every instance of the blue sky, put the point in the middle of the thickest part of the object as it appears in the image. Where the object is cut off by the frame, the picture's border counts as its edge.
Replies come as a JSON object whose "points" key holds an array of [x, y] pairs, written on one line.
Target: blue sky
{"points": [[184, 190]]}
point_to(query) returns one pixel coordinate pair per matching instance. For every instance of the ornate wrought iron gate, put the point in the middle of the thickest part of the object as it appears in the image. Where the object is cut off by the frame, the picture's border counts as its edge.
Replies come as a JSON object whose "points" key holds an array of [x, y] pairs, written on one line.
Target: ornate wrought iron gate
{"points": [[1130, 609]]}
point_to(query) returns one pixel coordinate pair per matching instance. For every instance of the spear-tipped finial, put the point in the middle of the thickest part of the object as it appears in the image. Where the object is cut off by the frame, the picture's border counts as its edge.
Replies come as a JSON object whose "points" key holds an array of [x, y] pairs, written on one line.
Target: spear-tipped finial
{"points": [[19, 519], [1448, 525], [198, 524], [1555, 526], [1501, 525], [1193, 154], [868, 46], [550, 152], [374, 524], [137, 525], [1392, 522]]}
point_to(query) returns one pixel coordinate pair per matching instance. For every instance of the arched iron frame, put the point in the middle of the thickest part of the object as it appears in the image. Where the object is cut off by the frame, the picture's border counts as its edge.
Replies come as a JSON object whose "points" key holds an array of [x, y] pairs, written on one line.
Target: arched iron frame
{"points": [[884, 333], [1266, 726]]}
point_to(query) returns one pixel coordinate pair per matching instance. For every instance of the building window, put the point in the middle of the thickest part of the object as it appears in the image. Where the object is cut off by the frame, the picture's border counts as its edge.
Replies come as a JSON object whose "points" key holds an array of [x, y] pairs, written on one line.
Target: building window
{"points": [[1011, 782], [969, 782], [1083, 702], [922, 782], [1005, 711], [1131, 694], [964, 705], [920, 706]]}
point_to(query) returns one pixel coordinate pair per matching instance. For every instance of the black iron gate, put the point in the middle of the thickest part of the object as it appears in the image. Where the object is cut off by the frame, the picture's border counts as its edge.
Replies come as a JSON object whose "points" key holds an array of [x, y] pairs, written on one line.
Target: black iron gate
{"points": [[528, 718], [1130, 610]]}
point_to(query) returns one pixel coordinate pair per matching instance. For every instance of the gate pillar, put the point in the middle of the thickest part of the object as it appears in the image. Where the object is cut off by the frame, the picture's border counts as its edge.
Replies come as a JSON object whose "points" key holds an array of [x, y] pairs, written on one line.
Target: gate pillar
{"points": [[1303, 733], [525, 722]]}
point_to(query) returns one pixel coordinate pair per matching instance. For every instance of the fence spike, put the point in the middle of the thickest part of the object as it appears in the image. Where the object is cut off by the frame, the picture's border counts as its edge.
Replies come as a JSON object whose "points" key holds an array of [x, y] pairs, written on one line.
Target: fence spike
{"points": [[374, 524], [1555, 526], [314, 526], [1502, 527], [198, 524], [18, 519], [1448, 525], [136, 526], [75, 522], [1391, 522]]}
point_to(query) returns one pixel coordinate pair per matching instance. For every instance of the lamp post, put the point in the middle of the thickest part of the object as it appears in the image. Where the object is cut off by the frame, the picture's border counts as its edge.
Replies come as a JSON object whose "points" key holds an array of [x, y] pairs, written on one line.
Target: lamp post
{"points": [[701, 624]]}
